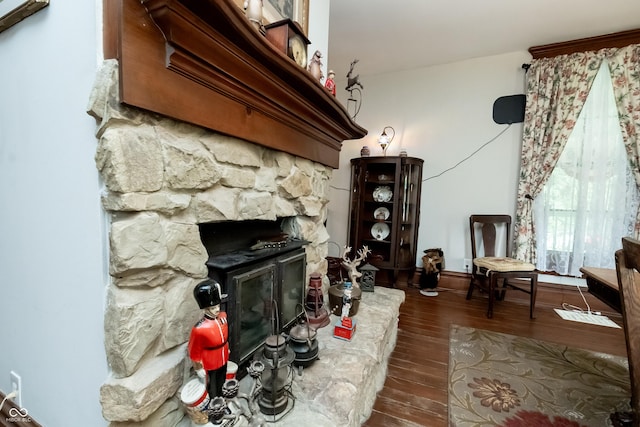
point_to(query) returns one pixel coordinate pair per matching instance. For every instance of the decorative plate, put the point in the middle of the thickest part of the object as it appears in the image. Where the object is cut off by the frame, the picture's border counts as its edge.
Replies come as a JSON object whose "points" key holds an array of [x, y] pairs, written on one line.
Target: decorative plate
{"points": [[382, 193], [380, 231], [381, 213]]}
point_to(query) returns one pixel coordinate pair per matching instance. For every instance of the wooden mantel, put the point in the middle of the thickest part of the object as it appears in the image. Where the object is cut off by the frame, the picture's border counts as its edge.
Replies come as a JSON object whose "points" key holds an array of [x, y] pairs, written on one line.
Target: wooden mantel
{"points": [[203, 62]]}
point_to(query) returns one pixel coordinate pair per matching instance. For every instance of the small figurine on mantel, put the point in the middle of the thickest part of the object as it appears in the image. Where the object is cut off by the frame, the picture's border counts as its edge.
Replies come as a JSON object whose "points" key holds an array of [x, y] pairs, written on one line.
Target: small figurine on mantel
{"points": [[315, 66], [253, 12], [352, 265], [330, 84], [208, 346], [352, 80]]}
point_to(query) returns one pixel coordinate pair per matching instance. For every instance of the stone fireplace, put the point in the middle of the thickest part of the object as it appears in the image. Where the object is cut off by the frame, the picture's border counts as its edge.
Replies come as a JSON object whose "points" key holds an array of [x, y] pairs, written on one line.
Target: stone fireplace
{"points": [[162, 179], [199, 121]]}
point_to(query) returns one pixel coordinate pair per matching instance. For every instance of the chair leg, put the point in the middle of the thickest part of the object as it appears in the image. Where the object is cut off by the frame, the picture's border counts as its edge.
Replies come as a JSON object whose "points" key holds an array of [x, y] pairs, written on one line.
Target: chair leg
{"points": [[622, 419], [534, 290], [471, 286], [503, 290], [492, 288]]}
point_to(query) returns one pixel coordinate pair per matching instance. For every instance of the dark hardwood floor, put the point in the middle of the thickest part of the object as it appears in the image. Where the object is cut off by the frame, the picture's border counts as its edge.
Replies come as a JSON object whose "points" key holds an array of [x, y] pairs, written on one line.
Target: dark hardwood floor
{"points": [[415, 391]]}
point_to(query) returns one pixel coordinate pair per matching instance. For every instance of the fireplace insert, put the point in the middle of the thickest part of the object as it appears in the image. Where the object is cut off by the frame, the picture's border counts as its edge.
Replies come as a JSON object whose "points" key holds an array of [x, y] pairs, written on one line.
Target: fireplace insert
{"points": [[263, 288]]}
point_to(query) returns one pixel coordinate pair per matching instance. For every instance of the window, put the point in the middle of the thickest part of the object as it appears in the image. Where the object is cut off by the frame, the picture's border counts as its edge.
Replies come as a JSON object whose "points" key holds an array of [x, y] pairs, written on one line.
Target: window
{"points": [[591, 198]]}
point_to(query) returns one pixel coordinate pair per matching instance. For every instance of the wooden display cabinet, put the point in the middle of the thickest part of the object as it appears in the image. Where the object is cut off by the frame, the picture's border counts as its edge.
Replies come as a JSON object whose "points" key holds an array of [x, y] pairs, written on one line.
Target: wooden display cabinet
{"points": [[385, 212]]}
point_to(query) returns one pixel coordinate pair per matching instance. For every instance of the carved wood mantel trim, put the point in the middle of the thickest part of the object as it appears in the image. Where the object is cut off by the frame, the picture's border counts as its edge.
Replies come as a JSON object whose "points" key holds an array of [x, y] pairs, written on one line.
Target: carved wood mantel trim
{"points": [[619, 39], [203, 62]]}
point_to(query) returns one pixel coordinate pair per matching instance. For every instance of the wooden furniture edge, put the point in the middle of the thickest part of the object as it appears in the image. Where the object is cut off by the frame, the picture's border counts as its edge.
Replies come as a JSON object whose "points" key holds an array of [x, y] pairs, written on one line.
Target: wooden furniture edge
{"points": [[619, 39]]}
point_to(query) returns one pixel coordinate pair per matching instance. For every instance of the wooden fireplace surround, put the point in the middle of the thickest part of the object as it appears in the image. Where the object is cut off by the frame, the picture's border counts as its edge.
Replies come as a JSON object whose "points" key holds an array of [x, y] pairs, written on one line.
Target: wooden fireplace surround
{"points": [[203, 62]]}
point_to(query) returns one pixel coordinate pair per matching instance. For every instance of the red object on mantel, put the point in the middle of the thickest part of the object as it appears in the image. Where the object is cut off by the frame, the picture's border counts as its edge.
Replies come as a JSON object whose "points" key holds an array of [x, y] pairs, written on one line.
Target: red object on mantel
{"points": [[345, 328]]}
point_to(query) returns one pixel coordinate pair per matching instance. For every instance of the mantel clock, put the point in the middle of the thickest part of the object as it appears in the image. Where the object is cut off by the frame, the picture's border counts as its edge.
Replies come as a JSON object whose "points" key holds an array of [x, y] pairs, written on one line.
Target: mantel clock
{"points": [[287, 36]]}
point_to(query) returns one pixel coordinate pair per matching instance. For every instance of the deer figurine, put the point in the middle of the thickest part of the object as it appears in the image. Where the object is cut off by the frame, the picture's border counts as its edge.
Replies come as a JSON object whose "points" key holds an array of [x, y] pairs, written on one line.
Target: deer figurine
{"points": [[351, 79], [351, 265]]}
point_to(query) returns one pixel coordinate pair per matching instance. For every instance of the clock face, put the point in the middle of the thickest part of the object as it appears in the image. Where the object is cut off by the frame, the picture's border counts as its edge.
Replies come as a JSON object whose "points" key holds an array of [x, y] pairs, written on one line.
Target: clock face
{"points": [[298, 50]]}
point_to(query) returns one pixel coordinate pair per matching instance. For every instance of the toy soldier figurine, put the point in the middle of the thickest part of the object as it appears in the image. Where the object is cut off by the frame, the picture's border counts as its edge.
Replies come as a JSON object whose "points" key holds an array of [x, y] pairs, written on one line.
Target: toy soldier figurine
{"points": [[330, 83], [346, 301], [346, 326], [208, 346]]}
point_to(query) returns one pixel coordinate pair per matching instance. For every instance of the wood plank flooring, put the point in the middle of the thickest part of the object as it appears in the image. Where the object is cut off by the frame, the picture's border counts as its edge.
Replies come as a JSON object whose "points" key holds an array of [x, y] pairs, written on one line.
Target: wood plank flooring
{"points": [[415, 391]]}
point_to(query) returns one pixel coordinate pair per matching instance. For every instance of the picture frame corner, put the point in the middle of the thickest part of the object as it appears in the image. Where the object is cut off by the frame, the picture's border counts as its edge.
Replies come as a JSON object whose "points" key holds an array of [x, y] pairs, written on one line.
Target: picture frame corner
{"points": [[14, 11]]}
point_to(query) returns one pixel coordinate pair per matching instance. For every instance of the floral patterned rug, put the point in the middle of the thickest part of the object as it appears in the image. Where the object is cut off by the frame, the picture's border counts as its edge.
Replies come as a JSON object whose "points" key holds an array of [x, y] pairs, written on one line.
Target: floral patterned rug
{"points": [[504, 380]]}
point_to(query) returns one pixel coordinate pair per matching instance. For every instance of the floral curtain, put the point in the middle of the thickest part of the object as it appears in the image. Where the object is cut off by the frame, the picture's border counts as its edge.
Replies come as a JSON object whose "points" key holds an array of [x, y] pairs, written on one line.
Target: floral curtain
{"points": [[556, 91], [590, 200], [624, 66]]}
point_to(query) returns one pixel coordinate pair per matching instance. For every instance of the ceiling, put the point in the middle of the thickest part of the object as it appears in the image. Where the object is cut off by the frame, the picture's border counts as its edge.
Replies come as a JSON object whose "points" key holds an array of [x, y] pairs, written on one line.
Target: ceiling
{"points": [[388, 36]]}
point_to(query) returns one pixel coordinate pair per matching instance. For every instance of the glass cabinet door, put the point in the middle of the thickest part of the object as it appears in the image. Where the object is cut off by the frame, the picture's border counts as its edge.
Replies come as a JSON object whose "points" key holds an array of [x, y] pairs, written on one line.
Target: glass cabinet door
{"points": [[411, 176]]}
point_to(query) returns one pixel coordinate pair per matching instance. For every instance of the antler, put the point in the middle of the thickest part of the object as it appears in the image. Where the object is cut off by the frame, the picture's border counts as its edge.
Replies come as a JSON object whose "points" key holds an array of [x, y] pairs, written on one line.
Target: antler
{"points": [[347, 249], [352, 264], [353, 64], [362, 254]]}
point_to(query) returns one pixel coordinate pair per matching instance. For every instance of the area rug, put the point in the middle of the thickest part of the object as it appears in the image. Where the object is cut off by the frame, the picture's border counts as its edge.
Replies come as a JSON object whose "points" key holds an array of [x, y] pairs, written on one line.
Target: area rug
{"points": [[503, 380]]}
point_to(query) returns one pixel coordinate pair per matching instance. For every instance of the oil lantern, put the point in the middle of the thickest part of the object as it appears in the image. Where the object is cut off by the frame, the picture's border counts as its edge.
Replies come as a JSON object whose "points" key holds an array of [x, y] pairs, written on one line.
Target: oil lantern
{"points": [[317, 314], [276, 379]]}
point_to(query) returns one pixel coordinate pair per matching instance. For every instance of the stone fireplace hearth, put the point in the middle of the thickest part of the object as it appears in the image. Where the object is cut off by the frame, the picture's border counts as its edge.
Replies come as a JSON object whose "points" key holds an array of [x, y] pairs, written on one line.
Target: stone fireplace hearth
{"points": [[163, 179]]}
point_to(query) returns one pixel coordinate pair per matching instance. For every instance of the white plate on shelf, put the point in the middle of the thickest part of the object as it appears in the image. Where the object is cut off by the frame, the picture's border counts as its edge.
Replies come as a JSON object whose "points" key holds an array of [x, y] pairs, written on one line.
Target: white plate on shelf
{"points": [[381, 213], [380, 231], [382, 193]]}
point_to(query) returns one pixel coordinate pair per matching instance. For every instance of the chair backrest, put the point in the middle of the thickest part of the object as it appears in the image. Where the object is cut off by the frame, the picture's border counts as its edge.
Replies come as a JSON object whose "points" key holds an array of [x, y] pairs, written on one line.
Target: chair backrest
{"points": [[627, 264], [483, 229]]}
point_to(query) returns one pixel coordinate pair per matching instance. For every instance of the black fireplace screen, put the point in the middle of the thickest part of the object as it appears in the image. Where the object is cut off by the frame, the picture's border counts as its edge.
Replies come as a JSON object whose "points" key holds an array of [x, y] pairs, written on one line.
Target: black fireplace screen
{"points": [[264, 290]]}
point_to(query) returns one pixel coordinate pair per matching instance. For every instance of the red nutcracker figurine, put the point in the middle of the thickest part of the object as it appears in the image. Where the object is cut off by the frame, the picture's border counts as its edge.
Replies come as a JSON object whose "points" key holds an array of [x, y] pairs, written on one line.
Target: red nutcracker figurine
{"points": [[330, 84], [208, 346]]}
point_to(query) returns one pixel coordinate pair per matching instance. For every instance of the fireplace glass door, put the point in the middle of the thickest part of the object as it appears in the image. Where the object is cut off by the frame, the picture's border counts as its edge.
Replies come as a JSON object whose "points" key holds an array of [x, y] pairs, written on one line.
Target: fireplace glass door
{"points": [[254, 304], [292, 288]]}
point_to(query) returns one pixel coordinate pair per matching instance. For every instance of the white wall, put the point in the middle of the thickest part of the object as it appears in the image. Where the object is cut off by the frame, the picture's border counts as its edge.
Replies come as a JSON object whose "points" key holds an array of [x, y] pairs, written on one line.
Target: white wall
{"points": [[52, 244], [441, 114]]}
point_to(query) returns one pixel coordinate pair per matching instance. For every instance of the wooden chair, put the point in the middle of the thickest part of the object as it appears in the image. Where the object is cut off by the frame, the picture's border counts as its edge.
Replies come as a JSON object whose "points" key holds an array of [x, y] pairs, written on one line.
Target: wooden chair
{"points": [[627, 263], [492, 265]]}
